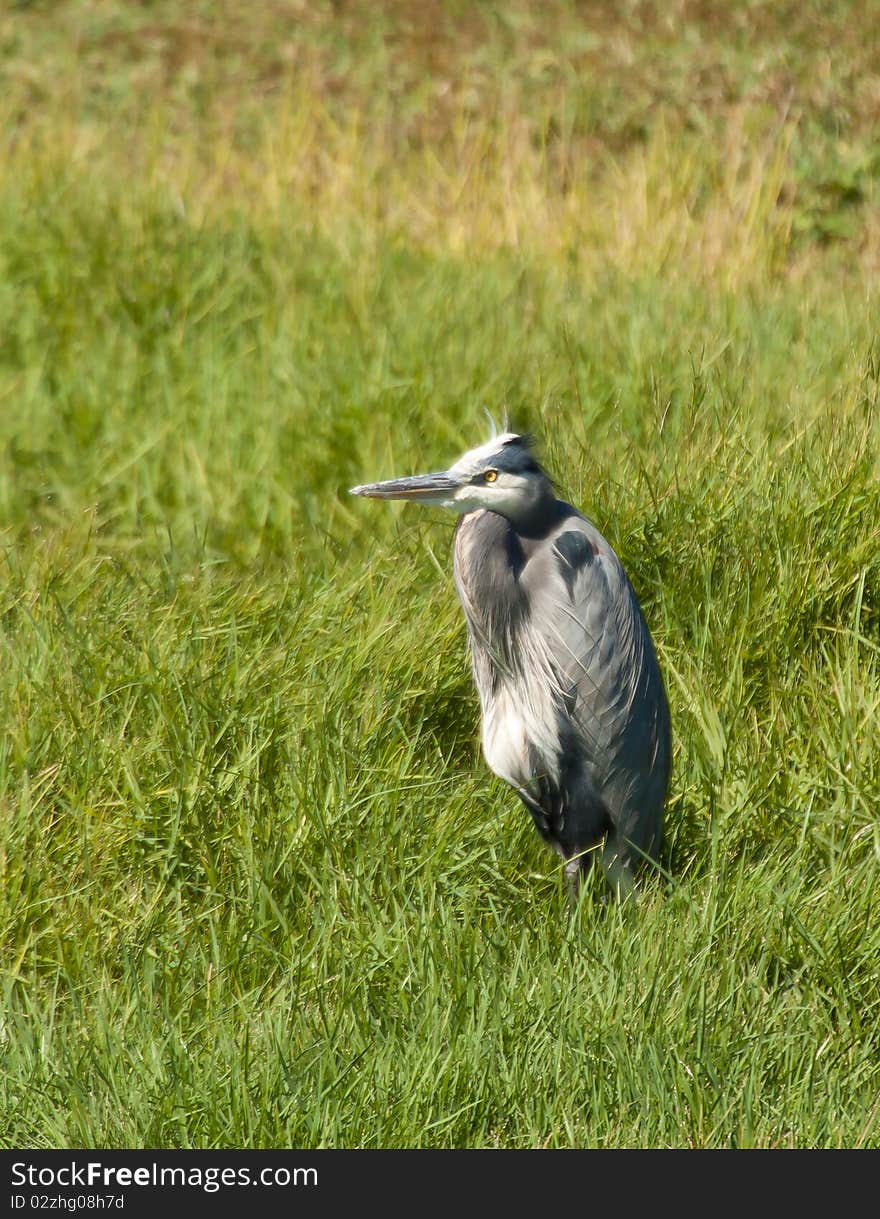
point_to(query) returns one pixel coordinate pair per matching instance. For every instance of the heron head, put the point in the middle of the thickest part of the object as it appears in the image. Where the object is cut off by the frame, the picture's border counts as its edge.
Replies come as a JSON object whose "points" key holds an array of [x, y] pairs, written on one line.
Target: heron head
{"points": [[502, 476]]}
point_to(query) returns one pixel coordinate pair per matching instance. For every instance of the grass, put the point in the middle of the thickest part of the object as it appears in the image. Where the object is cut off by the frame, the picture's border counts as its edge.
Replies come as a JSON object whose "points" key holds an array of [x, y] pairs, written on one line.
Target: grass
{"points": [[257, 887]]}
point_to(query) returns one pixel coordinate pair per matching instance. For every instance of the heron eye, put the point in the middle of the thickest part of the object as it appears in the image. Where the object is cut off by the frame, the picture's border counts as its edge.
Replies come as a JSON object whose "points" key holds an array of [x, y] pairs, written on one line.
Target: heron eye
{"points": [[490, 476]]}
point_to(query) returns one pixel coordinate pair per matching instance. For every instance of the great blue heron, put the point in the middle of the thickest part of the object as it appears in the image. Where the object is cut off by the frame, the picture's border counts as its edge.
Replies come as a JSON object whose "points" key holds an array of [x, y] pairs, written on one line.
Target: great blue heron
{"points": [[575, 716]]}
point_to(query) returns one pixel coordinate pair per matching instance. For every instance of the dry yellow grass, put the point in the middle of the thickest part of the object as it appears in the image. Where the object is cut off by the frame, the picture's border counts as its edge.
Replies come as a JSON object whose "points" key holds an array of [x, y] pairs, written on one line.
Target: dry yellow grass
{"points": [[460, 131]]}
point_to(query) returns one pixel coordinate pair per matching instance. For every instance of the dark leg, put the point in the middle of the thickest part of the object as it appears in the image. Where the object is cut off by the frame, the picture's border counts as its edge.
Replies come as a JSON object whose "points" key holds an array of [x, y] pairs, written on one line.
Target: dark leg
{"points": [[577, 868], [617, 869]]}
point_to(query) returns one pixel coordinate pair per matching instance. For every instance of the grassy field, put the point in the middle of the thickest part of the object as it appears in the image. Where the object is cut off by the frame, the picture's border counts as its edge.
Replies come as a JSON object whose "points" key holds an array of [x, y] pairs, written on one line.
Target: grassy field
{"points": [[257, 886]]}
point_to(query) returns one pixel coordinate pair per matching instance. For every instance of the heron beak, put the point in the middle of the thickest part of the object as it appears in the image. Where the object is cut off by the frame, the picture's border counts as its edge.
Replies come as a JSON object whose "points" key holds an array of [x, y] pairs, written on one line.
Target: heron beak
{"points": [[422, 488]]}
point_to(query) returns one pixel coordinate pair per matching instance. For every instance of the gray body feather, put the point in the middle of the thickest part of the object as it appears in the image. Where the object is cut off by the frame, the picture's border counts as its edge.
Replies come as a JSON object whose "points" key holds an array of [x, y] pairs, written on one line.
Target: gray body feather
{"points": [[575, 715]]}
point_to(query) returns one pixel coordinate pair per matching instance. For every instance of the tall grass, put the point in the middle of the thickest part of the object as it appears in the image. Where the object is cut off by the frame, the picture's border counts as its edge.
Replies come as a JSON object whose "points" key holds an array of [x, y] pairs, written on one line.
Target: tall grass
{"points": [[257, 886]]}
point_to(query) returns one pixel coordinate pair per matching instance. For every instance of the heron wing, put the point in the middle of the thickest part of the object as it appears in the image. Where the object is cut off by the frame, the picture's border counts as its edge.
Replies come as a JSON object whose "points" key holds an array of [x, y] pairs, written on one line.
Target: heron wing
{"points": [[613, 716]]}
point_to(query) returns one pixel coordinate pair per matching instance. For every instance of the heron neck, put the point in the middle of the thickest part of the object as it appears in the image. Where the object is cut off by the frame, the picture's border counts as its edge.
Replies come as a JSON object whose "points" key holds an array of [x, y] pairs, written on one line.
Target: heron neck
{"points": [[533, 517], [488, 557]]}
